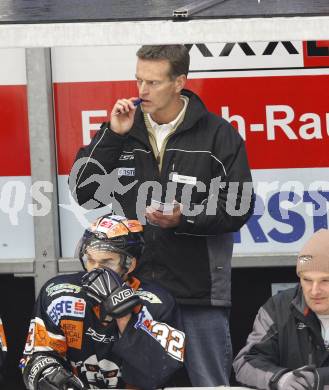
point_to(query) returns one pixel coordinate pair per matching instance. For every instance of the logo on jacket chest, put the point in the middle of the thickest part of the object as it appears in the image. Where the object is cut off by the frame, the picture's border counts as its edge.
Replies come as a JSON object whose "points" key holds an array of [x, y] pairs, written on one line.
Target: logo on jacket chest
{"points": [[126, 157], [300, 326], [126, 172]]}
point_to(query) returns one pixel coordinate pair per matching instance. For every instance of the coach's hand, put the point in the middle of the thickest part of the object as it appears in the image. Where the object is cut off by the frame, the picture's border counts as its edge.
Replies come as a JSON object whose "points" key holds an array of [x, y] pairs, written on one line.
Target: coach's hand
{"points": [[300, 379], [165, 220], [122, 115]]}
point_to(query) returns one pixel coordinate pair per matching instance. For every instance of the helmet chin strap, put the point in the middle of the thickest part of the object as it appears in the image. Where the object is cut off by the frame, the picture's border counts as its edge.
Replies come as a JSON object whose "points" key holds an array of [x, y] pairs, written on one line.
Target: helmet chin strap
{"points": [[124, 276], [83, 263], [125, 262]]}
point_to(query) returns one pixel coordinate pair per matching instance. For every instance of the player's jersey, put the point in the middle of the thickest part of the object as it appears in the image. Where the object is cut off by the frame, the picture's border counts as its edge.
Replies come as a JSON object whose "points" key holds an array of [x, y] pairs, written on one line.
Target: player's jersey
{"points": [[66, 323], [3, 346]]}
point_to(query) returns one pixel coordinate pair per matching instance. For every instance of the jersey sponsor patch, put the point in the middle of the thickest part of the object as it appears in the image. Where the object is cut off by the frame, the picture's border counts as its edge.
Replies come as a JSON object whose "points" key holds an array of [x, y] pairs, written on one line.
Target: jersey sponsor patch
{"points": [[148, 296], [73, 331], [54, 289], [101, 338], [66, 306], [144, 317]]}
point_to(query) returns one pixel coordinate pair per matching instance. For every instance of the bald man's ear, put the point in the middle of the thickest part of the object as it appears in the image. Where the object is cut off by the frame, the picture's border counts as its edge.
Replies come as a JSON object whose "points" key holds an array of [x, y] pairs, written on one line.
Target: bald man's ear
{"points": [[132, 265], [180, 82]]}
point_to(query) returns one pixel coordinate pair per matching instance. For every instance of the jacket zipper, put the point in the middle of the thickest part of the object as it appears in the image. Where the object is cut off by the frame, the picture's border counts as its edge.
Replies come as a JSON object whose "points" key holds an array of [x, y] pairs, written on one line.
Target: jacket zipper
{"points": [[310, 360]]}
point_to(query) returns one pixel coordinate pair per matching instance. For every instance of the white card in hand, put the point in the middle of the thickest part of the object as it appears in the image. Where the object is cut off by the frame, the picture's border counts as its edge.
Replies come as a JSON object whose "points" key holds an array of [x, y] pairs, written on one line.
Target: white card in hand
{"points": [[163, 207]]}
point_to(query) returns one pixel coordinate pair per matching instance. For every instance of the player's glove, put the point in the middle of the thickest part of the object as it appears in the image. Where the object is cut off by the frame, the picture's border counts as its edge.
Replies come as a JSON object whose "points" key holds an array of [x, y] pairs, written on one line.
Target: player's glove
{"points": [[44, 372], [105, 287], [57, 378]]}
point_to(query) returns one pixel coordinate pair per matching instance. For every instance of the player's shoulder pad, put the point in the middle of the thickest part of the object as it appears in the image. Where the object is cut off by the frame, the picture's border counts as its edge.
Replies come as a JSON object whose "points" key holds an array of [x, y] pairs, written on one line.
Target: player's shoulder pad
{"points": [[69, 284], [154, 294]]}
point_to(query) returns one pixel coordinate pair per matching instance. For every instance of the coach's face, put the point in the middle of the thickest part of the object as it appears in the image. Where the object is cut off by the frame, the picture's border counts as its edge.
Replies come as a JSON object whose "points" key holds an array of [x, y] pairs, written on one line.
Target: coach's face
{"points": [[160, 92], [315, 285]]}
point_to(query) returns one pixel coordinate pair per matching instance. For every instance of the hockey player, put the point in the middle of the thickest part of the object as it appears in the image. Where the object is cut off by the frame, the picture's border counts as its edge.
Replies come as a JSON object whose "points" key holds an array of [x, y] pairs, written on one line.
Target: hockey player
{"points": [[104, 328]]}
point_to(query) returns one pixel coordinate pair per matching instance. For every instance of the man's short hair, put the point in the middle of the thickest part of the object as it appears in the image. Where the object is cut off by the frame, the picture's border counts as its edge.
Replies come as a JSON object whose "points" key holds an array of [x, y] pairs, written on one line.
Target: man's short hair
{"points": [[177, 55]]}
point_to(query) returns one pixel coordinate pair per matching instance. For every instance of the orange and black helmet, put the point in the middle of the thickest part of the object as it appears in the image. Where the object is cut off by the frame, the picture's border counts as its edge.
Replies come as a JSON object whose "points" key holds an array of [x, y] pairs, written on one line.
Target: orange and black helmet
{"points": [[112, 233]]}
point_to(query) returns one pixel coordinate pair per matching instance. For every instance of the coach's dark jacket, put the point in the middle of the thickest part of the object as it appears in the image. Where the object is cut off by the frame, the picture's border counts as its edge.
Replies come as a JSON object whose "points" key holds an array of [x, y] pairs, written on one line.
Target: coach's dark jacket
{"points": [[193, 260], [286, 335]]}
